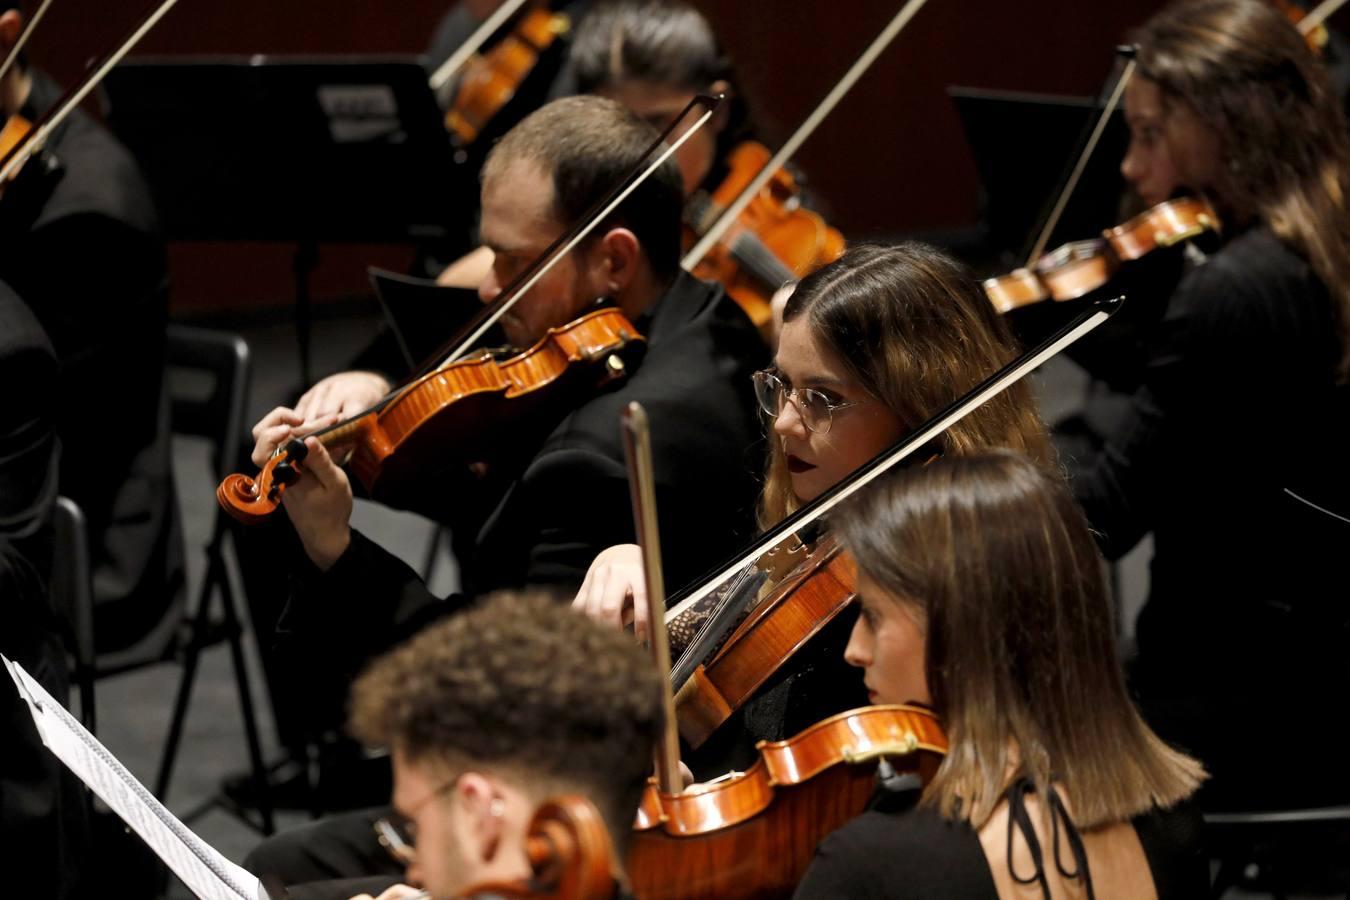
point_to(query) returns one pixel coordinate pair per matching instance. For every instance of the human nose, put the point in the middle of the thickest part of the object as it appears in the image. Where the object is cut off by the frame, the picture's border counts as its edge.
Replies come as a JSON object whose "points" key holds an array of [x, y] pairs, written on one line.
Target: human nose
{"points": [[1131, 167], [859, 650], [789, 421]]}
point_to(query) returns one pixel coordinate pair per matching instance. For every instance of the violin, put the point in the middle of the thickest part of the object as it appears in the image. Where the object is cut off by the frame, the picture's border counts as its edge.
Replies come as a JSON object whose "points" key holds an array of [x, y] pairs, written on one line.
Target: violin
{"points": [[1080, 267], [444, 412], [774, 240], [817, 584], [491, 79], [752, 834], [570, 855], [756, 251]]}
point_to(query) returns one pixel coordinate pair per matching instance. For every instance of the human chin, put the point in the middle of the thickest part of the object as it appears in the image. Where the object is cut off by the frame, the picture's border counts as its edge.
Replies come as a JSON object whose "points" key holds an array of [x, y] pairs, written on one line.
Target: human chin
{"points": [[807, 486]]}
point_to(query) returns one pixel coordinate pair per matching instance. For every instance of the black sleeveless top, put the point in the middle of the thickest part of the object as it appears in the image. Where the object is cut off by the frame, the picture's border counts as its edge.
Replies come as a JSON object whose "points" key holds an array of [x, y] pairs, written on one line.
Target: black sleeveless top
{"points": [[895, 850]]}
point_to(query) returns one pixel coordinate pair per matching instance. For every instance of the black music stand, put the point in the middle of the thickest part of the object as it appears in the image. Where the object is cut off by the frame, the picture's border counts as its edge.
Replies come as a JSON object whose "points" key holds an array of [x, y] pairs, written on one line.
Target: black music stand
{"points": [[292, 149], [1024, 147]]}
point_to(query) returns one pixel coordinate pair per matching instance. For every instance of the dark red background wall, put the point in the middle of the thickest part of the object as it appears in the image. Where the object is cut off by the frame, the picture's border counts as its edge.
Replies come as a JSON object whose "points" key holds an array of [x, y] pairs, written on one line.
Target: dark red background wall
{"points": [[890, 160]]}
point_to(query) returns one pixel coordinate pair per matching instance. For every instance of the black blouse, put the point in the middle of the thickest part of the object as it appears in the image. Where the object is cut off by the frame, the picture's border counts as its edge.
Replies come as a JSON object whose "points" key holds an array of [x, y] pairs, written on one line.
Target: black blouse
{"points": [[897, 851]]}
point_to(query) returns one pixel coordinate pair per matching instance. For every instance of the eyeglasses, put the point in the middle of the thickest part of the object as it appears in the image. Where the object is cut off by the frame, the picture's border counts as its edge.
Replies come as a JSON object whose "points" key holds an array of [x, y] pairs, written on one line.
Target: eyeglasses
{"points": [[397, 833], [816, 409]]}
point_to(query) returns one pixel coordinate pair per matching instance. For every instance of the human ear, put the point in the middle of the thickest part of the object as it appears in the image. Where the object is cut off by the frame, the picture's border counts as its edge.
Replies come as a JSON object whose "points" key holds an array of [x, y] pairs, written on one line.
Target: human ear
{"points": [[621, 253], [723, 114], [482, 805], [11, 26]]}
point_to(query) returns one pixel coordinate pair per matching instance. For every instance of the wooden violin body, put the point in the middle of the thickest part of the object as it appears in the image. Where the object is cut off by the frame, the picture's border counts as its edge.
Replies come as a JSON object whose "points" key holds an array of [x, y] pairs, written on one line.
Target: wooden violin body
{"points": [[753, 834], [819, 584], [463, 411], [570, 853], [1080, 267], [491, 79], [774, 240]]}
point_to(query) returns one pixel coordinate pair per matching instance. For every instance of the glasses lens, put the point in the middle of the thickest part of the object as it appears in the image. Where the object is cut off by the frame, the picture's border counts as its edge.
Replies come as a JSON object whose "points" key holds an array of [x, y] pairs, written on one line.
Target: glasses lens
{"points": [[769, 392], [815, 410]]}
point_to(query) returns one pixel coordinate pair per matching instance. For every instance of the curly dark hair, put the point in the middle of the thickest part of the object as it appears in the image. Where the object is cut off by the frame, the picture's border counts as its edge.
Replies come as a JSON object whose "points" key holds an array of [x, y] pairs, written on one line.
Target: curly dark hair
{"points": [[520, 684]]}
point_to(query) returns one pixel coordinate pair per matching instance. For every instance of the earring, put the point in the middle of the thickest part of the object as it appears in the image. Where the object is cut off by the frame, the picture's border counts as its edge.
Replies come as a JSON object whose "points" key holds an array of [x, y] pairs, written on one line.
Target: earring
{"points": [[496, 807]]}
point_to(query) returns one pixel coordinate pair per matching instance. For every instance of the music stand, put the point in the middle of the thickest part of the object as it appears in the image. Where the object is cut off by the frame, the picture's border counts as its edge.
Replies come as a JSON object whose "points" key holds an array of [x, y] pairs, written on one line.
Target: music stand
{"points": [[1024, 145], [292, 149]]}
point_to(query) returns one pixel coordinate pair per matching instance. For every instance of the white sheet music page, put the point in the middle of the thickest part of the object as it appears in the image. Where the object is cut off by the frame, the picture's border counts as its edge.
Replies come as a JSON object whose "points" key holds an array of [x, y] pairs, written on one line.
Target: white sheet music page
{"points": [[206, 873]]}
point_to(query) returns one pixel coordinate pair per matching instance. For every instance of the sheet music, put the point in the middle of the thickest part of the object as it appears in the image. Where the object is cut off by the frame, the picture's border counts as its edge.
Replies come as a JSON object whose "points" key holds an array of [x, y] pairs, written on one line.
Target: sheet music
{"points": [[206, 873]]}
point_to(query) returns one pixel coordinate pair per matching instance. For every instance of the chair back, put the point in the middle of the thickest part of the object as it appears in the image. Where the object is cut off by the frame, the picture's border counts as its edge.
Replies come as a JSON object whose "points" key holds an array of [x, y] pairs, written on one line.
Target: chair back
{"points": [[214, 411]]}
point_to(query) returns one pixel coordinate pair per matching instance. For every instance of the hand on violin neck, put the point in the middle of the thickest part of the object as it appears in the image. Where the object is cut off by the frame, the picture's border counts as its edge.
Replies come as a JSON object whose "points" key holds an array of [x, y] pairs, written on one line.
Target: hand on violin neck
{"points": [[319, 505], [343, 395], [278, 427], [615, 591]]}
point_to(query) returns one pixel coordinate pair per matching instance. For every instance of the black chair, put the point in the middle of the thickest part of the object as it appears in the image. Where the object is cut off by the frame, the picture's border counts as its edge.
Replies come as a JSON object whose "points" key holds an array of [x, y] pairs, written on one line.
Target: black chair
{"points": [[1253, 849], [72, 593], [216, 415]]}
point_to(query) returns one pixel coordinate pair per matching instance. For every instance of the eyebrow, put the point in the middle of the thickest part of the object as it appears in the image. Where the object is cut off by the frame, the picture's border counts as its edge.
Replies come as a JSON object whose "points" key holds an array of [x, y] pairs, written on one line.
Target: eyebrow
{"points": [[812, 381]]}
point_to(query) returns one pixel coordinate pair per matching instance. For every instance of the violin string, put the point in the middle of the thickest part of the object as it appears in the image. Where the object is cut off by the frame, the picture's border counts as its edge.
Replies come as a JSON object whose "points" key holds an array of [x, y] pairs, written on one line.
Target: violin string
{"points": [[1063, 200], [760, 261], [804, 131], [1319, 15], [448, 69], [48, 123], [23, 38], [1001, 380]]}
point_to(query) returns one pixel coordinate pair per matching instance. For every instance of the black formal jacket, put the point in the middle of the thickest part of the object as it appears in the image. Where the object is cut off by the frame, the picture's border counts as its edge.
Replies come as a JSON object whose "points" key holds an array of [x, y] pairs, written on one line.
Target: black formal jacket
{"points": [[1237, 402], [1237, 405], [569, 500], [41, 807], [81, 246]]}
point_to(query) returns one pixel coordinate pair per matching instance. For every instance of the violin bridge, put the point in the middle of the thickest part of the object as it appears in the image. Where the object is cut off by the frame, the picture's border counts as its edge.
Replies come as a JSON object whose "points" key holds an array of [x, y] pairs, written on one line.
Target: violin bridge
{"points": [[906, 745], [779, 562]]}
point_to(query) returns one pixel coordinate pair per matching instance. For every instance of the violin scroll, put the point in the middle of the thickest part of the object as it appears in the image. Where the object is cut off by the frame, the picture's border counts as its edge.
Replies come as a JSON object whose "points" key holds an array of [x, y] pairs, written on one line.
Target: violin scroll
{"points": [[252, 500]]}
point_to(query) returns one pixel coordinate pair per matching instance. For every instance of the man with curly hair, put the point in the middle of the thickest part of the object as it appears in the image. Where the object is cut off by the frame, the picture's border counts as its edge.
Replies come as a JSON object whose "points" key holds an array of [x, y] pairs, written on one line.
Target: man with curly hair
{"points": [[486, 715]]}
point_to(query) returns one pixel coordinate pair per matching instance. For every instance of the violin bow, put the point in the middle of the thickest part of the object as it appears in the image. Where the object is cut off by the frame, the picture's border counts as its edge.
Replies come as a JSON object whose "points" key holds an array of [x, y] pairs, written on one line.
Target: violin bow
{"points": [[804, 131], [637, 451], [695, 254], [47, 123], [1126, 52], [1318, 15], [14, 51], [448, 69], [1082, 324]]}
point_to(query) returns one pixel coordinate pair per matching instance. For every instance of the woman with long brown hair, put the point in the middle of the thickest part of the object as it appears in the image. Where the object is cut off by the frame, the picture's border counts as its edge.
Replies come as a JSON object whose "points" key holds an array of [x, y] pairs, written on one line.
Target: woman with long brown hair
{"points": [[1250, 354], [872, 345], [983, 596]]}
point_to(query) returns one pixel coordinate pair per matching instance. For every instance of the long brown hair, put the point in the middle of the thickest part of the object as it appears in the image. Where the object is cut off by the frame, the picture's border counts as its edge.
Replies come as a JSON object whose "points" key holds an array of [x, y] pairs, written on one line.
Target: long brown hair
{"points": [[1249, 76], [911, 326], [996, 560]]}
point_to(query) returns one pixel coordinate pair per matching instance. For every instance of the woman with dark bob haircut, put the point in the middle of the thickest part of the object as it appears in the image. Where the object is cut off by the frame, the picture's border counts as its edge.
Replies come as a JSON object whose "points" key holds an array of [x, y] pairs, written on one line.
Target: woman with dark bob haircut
{"points": [[983, 597]]}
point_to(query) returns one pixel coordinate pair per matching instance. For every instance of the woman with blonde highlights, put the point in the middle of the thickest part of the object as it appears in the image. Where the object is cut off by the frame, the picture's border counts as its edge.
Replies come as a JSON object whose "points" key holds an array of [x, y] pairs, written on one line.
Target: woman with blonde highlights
{"points": [[872, 345], [983, 597]]}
